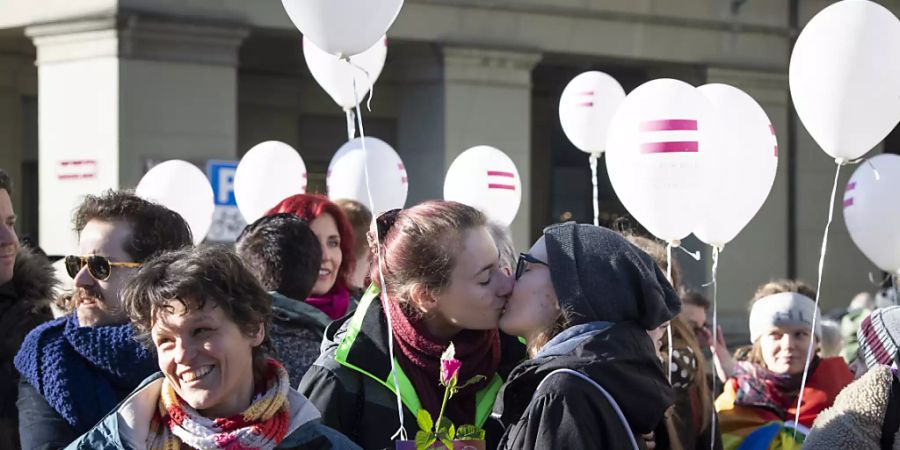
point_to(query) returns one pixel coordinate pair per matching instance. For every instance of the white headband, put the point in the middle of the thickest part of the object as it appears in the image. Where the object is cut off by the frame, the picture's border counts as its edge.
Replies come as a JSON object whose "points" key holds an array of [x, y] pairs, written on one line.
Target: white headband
{"points": [[783, 309]]}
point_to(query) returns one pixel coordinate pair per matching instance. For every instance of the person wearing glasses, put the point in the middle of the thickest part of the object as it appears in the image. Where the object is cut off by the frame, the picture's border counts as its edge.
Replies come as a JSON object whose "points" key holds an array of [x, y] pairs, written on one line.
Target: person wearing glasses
{"points": [[76, 368], [218, 387], [444, 283], [26, 289], [584, 299]]}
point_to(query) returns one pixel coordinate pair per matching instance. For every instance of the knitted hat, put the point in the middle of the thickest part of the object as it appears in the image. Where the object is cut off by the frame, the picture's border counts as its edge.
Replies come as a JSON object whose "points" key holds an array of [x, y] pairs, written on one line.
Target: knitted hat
{"points": [[600, 276], [782, 310], [878, 336]]}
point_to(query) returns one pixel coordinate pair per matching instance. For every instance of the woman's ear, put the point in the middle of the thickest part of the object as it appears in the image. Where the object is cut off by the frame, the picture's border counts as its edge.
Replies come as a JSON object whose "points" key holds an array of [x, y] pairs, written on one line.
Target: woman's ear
{"points": [[422, 298], [259, 335]]}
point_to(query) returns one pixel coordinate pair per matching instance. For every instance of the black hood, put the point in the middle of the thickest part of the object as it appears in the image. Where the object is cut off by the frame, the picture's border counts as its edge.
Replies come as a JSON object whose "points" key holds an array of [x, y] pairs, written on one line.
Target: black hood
{"points": [[622, 359]]}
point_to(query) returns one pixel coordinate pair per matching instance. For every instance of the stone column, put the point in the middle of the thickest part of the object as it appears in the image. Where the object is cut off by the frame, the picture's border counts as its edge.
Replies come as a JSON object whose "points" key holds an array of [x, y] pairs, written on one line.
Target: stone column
{"points": [[118, 92], [460, 97]]}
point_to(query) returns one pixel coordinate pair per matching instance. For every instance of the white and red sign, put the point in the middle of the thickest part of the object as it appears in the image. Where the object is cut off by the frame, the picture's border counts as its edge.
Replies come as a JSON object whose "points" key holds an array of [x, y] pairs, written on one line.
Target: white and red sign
{"points": [[77, 169]]}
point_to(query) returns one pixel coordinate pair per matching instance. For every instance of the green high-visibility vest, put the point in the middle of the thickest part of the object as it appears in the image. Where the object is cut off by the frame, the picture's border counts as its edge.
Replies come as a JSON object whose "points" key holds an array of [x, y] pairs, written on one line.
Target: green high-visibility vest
{"points": [[484, 398]]}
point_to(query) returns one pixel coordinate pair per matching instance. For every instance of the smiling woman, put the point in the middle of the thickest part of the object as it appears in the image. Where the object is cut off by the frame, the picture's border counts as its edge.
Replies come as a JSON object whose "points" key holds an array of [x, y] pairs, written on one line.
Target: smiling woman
{"points": [[330, 293], [205, 314], [759, 400]]}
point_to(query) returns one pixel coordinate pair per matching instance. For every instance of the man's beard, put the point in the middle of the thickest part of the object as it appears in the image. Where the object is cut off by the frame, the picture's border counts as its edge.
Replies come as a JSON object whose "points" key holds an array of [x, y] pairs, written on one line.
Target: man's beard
{"points": [[102, 313]]}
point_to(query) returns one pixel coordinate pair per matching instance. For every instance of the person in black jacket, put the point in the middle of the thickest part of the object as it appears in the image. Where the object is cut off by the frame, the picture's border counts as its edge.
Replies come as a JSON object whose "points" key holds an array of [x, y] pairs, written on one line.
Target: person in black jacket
{"points": [[26, 289], [584, 299], [283, 253]]}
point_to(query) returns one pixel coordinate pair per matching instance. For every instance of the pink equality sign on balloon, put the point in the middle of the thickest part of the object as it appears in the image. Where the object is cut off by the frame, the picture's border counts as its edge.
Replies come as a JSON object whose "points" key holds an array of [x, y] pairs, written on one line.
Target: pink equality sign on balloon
{"points": [[494, 183], [671, 145]]}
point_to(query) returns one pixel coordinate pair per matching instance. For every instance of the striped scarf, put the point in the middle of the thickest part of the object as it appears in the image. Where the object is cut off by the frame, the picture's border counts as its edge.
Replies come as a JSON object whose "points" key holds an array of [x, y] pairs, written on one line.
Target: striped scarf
{"points": [[262, 425]]}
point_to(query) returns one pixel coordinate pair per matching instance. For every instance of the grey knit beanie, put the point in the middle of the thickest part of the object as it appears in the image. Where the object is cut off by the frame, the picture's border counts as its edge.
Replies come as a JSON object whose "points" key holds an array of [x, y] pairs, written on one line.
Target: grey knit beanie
{"points": [[600, 276], [879, 337]]}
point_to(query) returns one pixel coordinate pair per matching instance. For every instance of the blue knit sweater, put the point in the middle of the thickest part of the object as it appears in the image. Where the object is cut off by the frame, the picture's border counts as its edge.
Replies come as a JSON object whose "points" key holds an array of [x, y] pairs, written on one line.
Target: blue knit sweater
{"points": [[83, 372]]}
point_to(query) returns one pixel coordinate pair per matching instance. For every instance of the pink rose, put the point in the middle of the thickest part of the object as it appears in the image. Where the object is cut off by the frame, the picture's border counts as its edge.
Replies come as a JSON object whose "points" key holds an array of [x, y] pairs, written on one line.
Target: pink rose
{"points": [[449, 370]]}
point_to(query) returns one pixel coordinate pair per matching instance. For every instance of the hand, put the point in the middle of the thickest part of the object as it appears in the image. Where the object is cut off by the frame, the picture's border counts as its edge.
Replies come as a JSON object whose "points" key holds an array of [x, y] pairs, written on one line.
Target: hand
{"points": [[721, 346], [650, 441]]}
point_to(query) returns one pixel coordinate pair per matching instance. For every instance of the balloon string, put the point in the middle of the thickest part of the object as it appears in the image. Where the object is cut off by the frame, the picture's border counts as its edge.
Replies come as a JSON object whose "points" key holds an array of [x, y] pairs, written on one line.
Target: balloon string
{"points": [[669, 327], [715, 336], [874, 170], [695, 255], [812, 342], [362, 135], [371, 86], [351, 124], [894, 278], [593, 159]]}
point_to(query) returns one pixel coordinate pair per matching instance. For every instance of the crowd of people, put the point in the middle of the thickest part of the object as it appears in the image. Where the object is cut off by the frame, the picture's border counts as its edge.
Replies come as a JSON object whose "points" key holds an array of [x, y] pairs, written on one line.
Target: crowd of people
{"points": [[317, 330]]}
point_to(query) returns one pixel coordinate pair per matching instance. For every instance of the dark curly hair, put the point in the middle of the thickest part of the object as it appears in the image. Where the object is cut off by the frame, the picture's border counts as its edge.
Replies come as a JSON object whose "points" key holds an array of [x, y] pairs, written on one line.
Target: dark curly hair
{"points": [[154, 228], [283, 253], [193, 277], [5, 182]]}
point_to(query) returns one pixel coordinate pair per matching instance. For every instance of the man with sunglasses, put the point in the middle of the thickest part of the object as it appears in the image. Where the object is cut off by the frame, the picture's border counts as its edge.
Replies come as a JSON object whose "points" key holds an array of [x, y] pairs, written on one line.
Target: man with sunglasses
{"points": [[76, 368], [26, 289]]}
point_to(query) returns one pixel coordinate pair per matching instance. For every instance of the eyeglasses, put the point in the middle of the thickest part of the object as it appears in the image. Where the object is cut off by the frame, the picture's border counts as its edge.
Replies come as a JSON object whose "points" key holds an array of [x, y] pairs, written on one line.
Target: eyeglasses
{"points": [[525, 258], [99, 267]]}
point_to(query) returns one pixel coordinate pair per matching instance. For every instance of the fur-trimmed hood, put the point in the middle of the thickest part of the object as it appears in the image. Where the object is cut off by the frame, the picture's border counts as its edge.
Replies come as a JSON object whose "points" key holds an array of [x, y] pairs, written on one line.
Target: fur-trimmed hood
{"points": [[34, 279]]}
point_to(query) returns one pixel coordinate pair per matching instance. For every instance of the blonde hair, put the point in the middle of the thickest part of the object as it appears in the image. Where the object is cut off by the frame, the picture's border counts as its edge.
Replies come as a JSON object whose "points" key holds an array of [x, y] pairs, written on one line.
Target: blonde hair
{"points": [[561, 322]]}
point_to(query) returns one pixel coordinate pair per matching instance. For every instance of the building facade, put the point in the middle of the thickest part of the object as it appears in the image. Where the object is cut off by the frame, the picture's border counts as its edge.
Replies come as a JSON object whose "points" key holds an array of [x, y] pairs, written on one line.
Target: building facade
{"points": [[94, 90]]}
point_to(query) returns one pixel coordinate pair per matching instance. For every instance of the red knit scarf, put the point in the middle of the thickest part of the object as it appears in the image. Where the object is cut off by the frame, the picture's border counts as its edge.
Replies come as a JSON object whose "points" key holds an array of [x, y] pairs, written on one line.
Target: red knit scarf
{"points": [[420, 359]]}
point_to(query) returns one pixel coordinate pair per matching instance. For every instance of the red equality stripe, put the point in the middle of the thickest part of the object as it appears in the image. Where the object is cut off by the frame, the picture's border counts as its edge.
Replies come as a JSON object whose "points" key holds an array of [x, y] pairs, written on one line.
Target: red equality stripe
{"points": [[497, 173], [669, 125], [851, 186], [848, 202], [670, 147], [501, 186]]}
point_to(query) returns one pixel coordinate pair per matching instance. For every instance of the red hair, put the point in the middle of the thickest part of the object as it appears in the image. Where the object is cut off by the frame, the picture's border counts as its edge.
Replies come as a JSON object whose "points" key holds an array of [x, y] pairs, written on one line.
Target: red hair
{"points": [[309, 207]]}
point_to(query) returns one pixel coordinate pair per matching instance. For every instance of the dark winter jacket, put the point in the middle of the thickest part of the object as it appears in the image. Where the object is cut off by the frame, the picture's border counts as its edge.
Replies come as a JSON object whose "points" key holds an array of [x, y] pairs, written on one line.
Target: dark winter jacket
{"points": [[569, 412], [297, 330], [24, 304], [127, 426], [352, 386]]}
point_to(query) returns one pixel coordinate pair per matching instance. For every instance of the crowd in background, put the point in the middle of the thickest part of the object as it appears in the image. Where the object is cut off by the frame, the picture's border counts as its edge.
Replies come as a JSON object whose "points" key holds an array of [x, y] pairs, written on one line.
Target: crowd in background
{"points": [[322, 328]]}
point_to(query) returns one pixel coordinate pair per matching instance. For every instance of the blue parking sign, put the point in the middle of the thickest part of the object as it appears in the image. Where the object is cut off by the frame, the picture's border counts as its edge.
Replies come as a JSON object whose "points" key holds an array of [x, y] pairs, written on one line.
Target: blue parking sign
{"points": [[221, 177]]}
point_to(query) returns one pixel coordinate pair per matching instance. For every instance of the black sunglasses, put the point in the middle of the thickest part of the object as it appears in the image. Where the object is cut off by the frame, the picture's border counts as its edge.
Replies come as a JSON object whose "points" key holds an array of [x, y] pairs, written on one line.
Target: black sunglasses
{"points": [[525, 258], [99, 267]]}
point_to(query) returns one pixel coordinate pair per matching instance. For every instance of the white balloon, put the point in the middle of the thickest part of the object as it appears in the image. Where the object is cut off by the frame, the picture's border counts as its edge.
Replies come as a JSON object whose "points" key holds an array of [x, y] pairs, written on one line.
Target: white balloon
{"points": [[872, 210], [483, 177], [387, 175], [587, 106], [845, 77], [740, 172], [656, 152], [336, 76], [343, 27], [183, 188], [267, 174]]}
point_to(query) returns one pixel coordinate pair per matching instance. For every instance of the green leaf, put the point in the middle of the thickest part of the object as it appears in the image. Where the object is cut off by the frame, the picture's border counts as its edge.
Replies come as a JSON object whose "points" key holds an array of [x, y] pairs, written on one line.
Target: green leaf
{"points": [[444, 425], [452, 431], [424, 420], [473, 380], [469, 433], [448, 443], [424, 440]]}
